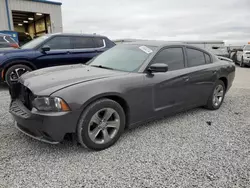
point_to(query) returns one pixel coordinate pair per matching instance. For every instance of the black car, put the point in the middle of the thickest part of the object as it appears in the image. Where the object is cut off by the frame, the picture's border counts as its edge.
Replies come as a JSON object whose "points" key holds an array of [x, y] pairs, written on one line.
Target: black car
{"points": [[51, 50], [7, 42], [125, 86]]}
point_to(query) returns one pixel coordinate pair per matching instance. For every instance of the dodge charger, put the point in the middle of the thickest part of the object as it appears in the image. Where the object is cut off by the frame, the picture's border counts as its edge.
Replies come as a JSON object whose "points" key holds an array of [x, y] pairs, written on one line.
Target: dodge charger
{"points": [[125, 86]]}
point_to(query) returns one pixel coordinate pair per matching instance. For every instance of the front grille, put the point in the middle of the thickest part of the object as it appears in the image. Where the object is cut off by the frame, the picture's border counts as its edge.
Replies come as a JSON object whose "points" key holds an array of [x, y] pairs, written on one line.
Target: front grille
{"points": [[22, 93], [26, 96], [17, 108]]}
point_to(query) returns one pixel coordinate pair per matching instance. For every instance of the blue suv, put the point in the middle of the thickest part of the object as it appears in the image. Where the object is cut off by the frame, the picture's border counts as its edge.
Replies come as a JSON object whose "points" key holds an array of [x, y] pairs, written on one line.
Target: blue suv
{"points": [[51, 50]]}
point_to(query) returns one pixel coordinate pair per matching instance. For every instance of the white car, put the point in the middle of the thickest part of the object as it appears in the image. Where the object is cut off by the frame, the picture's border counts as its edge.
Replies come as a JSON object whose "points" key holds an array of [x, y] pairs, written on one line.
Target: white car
{"points": [[243, 56]]}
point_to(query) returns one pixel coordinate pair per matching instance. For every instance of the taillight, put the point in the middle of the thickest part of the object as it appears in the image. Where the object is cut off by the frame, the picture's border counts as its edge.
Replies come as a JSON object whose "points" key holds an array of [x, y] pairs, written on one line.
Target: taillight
{"points": [[14, 45]]}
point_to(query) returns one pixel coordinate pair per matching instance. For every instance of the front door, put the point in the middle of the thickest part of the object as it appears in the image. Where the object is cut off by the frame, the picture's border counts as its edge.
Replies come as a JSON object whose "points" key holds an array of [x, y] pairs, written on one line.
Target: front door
{"points": [[169, 89], [60, 53]]}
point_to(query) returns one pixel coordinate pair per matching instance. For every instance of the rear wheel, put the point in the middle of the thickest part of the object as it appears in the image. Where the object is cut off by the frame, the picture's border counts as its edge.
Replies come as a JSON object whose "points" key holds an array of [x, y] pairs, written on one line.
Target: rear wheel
{"points": [[217, 96], [101, 124], [14, 72]]}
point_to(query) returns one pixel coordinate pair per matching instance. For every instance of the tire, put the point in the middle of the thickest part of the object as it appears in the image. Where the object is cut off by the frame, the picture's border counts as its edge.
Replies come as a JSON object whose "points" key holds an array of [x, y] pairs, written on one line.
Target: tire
{"points": [[9, 73], [241, 62], [86, 127], [211, 105]]}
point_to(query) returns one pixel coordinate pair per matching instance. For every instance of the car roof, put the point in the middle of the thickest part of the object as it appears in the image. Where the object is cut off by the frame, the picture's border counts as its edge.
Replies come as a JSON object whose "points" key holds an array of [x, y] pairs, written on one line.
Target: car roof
{"points": [[160, 44], [77, 34]]}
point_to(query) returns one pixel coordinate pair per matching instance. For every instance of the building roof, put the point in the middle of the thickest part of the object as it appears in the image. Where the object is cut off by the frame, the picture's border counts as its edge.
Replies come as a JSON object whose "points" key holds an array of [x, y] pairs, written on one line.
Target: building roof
{"points": [[48, 2]]}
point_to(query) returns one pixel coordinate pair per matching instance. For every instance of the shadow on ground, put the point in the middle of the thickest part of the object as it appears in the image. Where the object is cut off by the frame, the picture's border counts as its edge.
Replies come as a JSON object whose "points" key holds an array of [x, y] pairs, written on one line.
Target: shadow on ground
{"points": [[3, 87]]}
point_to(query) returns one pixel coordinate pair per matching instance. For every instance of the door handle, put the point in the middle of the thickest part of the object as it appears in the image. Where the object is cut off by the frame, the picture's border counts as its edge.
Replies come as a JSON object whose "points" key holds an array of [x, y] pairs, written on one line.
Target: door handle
{"points": [[68, 52]]}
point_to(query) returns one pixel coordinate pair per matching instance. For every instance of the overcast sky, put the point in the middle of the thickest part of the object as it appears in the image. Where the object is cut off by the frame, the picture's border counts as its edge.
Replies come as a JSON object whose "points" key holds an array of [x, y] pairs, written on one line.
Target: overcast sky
{"points": [[226, 20]]}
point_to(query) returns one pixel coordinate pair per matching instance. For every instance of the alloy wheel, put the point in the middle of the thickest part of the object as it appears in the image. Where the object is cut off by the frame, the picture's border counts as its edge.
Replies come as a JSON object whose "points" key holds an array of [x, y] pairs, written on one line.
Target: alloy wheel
{"points": [[16, 73], [104, 126], [218, 95]]}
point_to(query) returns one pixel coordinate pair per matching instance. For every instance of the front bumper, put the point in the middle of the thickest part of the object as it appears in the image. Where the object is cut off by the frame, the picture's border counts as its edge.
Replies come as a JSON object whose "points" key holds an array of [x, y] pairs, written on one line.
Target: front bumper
{"points": [[47, 127]]}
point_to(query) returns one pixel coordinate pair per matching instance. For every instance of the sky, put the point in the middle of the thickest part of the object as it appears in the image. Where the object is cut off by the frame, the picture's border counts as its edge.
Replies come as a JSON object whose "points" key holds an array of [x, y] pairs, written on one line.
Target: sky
{"points": [[174, 20]]}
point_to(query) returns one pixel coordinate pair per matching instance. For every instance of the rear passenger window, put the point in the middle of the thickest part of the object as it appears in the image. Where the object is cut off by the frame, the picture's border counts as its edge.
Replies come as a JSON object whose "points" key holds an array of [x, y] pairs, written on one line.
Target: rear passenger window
{"points": [[59, 43], [83, 42], [99, 42], [195, 57], [208, 59], [173, 57], [9, 39]]}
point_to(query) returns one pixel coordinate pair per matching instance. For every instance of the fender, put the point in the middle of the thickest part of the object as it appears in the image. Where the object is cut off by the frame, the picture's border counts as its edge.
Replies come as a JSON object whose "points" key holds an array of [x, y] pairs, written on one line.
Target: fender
{"points": [[12, 62], [113, 96], [103, 95]]}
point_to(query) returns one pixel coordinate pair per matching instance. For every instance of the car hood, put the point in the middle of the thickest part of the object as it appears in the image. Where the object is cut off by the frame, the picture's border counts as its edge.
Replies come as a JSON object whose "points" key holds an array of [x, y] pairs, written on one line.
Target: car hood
{"points": [[49, 80]]}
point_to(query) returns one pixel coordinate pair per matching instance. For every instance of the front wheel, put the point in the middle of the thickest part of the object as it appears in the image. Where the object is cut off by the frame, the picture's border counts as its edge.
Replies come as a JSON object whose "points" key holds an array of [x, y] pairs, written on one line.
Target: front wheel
{"points": [[217, 96], [101, 124], [14, 72]]}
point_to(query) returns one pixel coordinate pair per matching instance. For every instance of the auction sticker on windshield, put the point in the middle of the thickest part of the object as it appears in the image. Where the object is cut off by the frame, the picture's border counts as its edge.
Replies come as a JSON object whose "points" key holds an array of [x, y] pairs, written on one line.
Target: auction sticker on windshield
{"points": [[146, 49]]}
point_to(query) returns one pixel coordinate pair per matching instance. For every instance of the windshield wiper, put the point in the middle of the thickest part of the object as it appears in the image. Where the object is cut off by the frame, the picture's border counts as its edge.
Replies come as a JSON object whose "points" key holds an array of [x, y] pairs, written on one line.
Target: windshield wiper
{"points": [[103, 67]]}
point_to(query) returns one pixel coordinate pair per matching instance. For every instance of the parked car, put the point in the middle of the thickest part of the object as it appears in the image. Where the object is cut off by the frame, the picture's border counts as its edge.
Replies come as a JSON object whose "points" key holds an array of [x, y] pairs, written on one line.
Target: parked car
{"points": [[243, 56], [220, 51], [23, 38], [50, 50], [232, 55], [127, 85], [7, 42]]}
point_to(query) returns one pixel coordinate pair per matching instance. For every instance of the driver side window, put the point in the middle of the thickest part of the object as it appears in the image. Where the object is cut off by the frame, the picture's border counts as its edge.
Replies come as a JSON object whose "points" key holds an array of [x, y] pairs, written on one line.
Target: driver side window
{"points": [[173, 57], [59, 43]]}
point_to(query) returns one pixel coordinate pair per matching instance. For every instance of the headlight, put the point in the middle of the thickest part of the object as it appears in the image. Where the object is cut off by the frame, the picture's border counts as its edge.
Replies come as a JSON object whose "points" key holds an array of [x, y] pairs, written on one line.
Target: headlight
{"points": [[52, 104]]}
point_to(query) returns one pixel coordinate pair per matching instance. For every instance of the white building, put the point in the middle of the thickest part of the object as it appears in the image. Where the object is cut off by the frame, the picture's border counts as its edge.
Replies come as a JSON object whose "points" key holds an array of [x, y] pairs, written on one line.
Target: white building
{"points": [[33, 17]]}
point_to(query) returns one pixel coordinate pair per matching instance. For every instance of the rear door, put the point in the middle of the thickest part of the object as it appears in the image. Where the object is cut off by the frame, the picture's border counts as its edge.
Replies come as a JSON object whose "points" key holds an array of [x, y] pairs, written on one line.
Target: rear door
{"points": [[202, 74], [60, 52], [85, 49]]}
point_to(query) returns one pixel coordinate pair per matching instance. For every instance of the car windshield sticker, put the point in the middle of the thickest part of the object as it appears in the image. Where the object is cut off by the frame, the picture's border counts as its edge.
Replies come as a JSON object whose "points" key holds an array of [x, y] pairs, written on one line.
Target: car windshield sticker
{"points": [[146, 49]]}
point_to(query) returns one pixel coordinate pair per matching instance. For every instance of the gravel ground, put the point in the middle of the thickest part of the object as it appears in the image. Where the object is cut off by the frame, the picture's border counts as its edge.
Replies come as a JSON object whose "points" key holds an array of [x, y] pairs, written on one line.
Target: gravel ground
{"points": [[198, 148]]}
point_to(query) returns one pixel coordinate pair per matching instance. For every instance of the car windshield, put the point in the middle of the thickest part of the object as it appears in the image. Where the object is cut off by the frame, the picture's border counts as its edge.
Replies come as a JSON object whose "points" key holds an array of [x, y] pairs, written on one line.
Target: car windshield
{"points": [[33, 43], [123, 57], [247, 47]]}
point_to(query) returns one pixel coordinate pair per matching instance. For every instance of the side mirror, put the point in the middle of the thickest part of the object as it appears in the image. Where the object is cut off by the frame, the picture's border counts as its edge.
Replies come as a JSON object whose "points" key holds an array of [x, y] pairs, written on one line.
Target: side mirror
{"points": [[158, 67], [45, 48]]}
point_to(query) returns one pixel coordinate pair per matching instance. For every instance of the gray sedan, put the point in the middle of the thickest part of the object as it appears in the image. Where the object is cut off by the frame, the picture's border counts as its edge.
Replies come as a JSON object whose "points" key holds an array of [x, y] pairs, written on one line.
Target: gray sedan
{"points": [[121, 88]]}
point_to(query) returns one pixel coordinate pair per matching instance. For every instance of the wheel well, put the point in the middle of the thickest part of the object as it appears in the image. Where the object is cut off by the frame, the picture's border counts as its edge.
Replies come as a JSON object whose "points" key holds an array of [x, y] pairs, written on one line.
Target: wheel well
{"points": [[224, 80], [123, 104], [21, 62]]}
